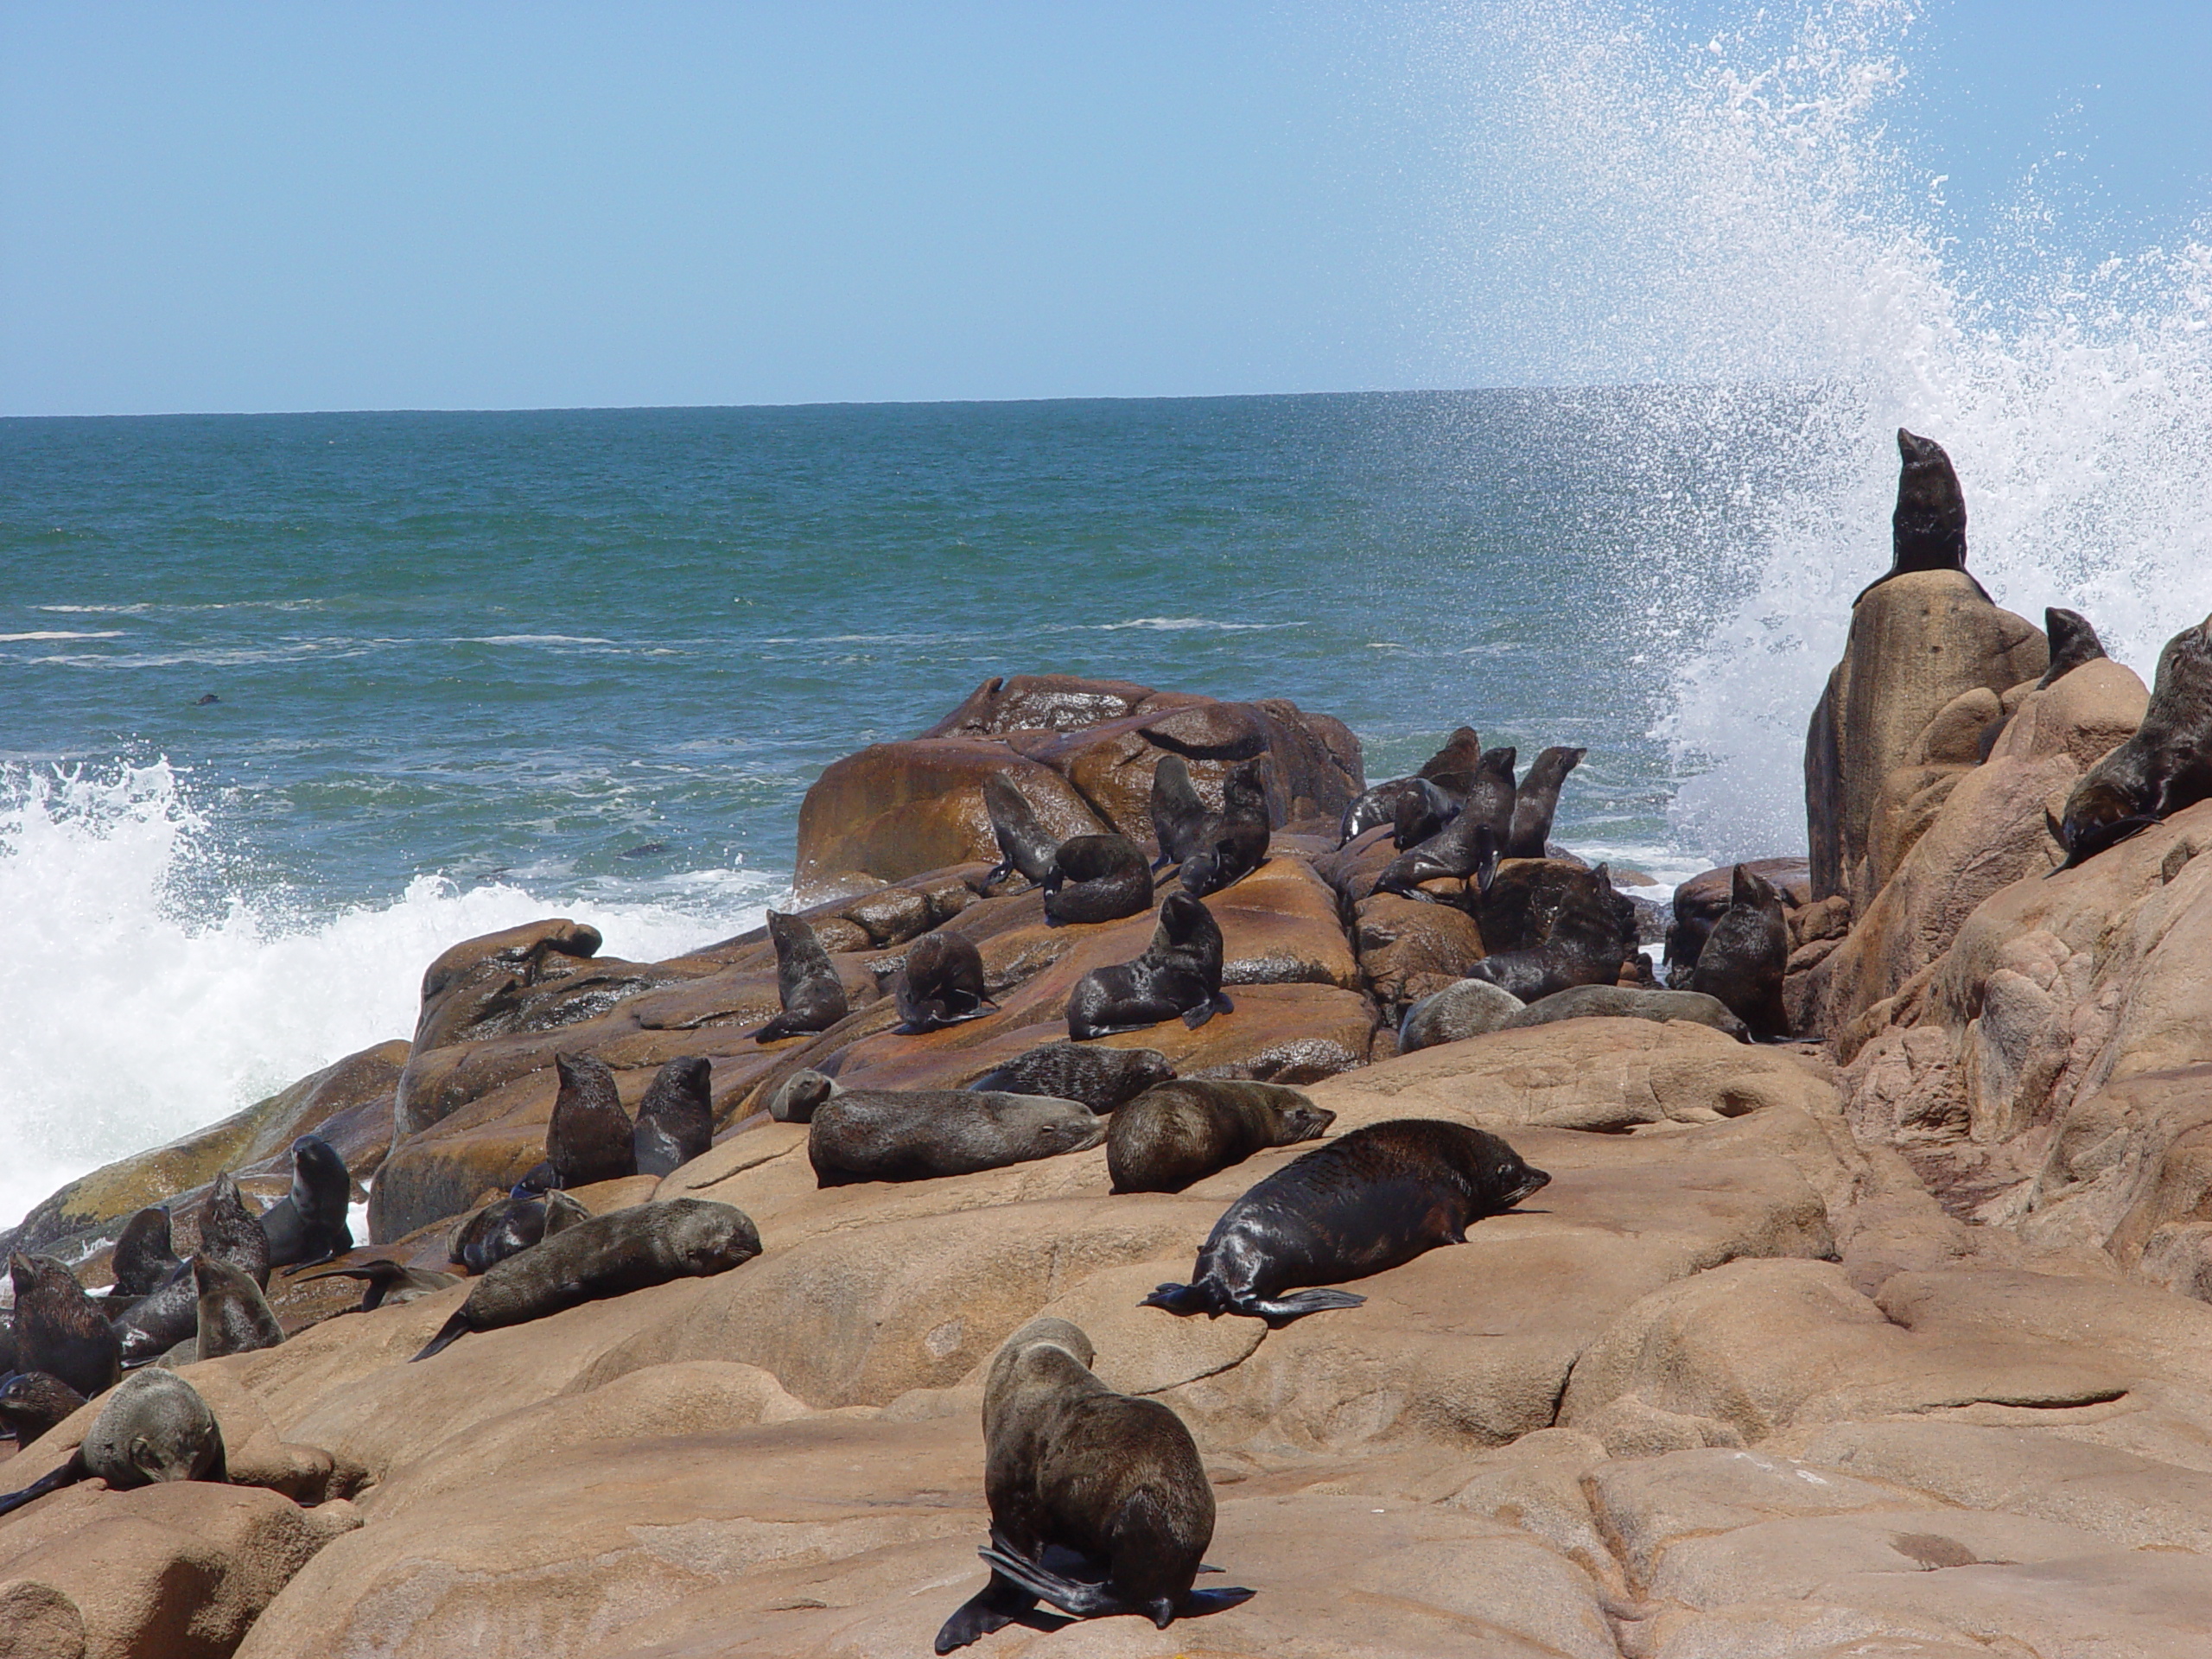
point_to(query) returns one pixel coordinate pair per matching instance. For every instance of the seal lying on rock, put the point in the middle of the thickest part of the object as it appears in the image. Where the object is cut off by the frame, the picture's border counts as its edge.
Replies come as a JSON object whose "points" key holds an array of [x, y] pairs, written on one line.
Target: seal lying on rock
{"points": [[1747, 956], [31, 1402], [1179, 974], [605, 1255], [1069, 1464], [807, 986], [941, 983], [676, 1120], [2166, 767], [234, 1317], [1025, 844], [1233, 842], [1102, 1078], [1181, 1132], [391, 1284], [59, 1329], [590, 1138], [307, 1227], [1464, 849], [154, 1428], [1535, 802], [510, 1226], [1370, 1200], [1096, 878], [1442, 783], [143, 1254], [1179, 816], [1472, 1007], [1629, 1002], [916, 1135], [1928, 530], [1593, 931]]}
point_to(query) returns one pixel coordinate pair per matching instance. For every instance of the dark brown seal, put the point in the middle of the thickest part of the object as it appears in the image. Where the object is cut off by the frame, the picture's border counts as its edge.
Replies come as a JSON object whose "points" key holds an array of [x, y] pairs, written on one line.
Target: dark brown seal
{"points": [[143, 1254], [918, 1135], [807, 986], [1233, 842], [1102, 1078], [1536, 802], [1179, 975], [2166, 767], [1591, 931], [231, 1232], [1025, 844], [1097, 878], [590, 1137], [1464, 849], [605, 1255], [1440, 785], [941, 983], [1178, 816], [234, 1317], [1368, 1201], [510, 1226], [676, 1120], [390, 1284], [31, 1402], [1182, 1132], [1070, 1465], [307, 1227], [59, 1329], [169, 1314], [2072, 642], [154, 1428], [1746, 955], [1928, 530]]}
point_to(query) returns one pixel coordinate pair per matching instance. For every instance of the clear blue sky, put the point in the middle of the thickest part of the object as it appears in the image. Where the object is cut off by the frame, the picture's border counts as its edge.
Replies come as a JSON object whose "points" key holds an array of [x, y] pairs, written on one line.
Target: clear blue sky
{"points": [[315, 206]]}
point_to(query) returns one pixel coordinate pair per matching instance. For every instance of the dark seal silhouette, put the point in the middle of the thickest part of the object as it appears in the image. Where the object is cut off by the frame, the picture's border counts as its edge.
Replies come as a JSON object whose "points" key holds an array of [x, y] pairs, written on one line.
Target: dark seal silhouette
{"points": [[233, 1316], [1590, 932], [2166, 767], [1178, 816], [1182, 1131], [1025, 844], [510, 1226], [307, 1227], [1535, 802], [1233, 842], [1102, 1078], [169, 1314], [919, 1135], [1928, 530], [1178, 977], [941, 983], [676, 1120], [59, 1329], [144, 1255], [1442, 783], [807, 986], [154, 1428], [1746, 955], [590, 1137], [1369, 1201], [1464, 849], [1097, 878], [2072, 642]]}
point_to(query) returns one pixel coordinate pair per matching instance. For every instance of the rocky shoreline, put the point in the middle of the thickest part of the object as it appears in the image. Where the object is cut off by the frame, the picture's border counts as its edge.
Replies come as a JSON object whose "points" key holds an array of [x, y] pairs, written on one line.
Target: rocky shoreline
{"points": [[1892, 1338]]}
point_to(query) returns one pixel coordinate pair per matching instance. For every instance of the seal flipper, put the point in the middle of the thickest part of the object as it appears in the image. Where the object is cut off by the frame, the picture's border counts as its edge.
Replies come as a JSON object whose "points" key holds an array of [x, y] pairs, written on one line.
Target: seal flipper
{"points": [[449, 1333], [1281, 1310], [68, 1475], [1197, 1604], [1072, 1596], [1183, 1299], [993, 1607], [1215, 1004]]}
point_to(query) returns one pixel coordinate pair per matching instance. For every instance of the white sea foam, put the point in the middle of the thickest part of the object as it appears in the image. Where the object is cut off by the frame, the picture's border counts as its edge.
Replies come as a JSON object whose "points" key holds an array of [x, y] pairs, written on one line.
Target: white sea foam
{"points": [[63, 633], [139, 1007]]}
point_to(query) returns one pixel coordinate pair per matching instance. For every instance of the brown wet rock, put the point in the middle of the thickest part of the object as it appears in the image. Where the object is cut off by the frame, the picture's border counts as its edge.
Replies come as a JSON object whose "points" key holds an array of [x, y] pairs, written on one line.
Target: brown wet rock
{"points": [[1409, 948]]}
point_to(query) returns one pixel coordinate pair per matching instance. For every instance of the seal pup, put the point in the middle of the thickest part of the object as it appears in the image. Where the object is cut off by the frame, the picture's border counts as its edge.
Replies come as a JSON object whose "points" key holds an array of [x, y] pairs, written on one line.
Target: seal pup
{"points": [[144, 1255], [154, 1428], [390, 1284], [2166, 767], [941, 983], [1470, 1008], [1025, 844], [1179, 816], [510, 1226], [797, 1098], [1179, 974], [1182, 1132], [807, 986], [605, 1255], [1233, 842], [307, 1227], [1746, 955], [1535, 802], [1069, 1464], [676, 1120], [31, 1402], [1591, 931], [234, 1316], [1369, 1200], [1445, 776], [1928, 529], [1096, 878], [918, 1135], [1464, 849], [59, 1329], [1102, 1078], [1630, 1002]]}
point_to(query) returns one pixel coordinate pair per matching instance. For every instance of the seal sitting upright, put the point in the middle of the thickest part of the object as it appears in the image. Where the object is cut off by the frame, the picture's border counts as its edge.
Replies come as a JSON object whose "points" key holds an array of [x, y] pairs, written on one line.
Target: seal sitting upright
{"points": [[1179, 974], [1928, 530], [307, 1227], [1368, 1201], [1070, 1463], [1025, 844], [1233, 842], [807, 986]]}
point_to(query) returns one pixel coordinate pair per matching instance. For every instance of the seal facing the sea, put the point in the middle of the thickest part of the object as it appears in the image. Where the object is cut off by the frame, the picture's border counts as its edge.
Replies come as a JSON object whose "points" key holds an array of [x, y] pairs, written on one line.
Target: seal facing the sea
{"points": [[1746, 955], [676, 1120], [1179, 975], [916, 1135], [1369, 1200], [1535, 802], [941, 983], [1070, 1463], [59, 1329], [1182, 1131], [2164, 766], [1102, 1078], [307, 1226], [154, 1428], [605, 1255], [1025, 844], [807, 986]]}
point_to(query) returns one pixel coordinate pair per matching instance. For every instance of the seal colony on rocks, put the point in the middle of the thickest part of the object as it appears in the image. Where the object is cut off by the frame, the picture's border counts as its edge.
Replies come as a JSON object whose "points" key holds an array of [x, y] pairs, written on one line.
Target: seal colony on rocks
{"points": [[919, 1135], [807, 986], [1181, 1132], [154, 1428], [1178, 977]]}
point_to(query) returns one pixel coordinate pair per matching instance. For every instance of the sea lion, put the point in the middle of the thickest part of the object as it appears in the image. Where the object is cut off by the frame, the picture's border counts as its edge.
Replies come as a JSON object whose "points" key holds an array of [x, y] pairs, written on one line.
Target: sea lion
{"points": [[2166, 767], [1464, 849], [1182, 1131], [143, 1254], [918, 1135], [1096, 878], [941, 983], [510, 1226], [1928, 530], [390, 1284], [31, 1402], [59, 1329], [1590, 932], [1179, 816], [234, 1316], [1069, 1464], [1179, 974], [1445, 776], [307, 1226], [1233, 842], [1470, 1008], [1102, 1078], [605, 1255], [1747, 956], [1369, 1200], [1535, 802], [796, 1099], [1630, 1002], [1025, 844], [807, 986], [590, 1138], [676, 1120], [154, 1428], [1490, 799]]}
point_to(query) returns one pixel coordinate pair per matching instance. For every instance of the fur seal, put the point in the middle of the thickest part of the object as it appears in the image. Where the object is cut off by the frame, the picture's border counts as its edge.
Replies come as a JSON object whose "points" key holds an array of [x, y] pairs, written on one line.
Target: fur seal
{"points": [[1178, 814], [143, 1254], [1369, 1200], [1535, 802], [390, 1284], [676, 1120], [2166, 767], [59, 1329], [2072, 642], [1069, 1464], [1181, 1132], [234, 1316], [1102, 1078], [807, 986], [307, 1227], [1591, 931], [1464, 849], [1233, 842], [1928, 530], [1471, 1007], [916, 1135], [231, 1232], [154, 1428], [1097, 878], [1490, 800], [590, 1137], [31, 1402], [511, 1226], [1179, 974], [796, 1099], [1445, 776], [941, 983], [1747, 956], [605, 1255], [1422, 812], [1025, 844], [169, 1314], [1630, 1002]]}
